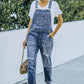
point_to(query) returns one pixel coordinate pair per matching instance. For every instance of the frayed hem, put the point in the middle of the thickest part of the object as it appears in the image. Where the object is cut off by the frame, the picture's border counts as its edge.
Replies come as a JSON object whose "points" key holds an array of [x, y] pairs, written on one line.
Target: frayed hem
{"points": [[48, 82]]}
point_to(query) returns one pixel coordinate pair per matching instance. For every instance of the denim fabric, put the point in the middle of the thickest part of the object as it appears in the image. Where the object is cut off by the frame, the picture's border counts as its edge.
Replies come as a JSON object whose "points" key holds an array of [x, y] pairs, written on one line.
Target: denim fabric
{"points": [[37, 39]]}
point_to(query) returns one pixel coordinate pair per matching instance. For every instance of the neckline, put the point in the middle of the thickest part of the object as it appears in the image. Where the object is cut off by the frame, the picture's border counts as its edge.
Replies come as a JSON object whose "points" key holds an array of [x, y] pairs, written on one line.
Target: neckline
{"points": [[44, 6]]}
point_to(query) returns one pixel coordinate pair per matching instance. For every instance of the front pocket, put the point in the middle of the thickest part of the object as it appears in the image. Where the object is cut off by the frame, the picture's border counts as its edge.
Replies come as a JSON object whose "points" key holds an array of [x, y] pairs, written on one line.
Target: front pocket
{"points": [[51, 37], [41, 19], [48, 40]]}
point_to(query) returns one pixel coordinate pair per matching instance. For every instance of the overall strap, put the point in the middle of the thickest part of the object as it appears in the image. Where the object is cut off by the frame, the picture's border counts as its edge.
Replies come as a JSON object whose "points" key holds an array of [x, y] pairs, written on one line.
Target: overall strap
{"points": [[36, 3], [50, 1]]}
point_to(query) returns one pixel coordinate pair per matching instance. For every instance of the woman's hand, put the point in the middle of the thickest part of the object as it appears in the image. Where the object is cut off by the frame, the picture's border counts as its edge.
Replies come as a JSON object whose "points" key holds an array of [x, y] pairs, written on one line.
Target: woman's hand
{"points": [[24, 43], [51, 34], [60, 21]]}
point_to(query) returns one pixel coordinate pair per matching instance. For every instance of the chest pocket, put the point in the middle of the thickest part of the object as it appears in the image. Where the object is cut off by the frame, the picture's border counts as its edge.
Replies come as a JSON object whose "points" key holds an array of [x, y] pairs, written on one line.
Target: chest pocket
{"points": [[41, 19]]}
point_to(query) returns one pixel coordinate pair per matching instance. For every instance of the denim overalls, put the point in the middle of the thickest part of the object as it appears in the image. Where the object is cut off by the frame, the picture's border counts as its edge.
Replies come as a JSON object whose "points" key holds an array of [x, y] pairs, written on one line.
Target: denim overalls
{"points": [[37, 39]]}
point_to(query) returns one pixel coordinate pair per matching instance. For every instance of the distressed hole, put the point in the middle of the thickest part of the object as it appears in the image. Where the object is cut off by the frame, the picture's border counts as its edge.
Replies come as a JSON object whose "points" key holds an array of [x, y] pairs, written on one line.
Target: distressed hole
{"points": [[31, 58]]}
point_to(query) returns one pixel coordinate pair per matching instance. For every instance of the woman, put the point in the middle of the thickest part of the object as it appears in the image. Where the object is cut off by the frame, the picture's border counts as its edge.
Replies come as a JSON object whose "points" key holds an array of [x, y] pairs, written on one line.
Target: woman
{"points": [[40, 36]]}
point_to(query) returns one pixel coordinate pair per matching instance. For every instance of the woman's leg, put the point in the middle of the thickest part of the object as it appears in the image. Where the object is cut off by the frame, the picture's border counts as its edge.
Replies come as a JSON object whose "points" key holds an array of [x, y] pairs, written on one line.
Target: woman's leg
{"points": [[46, 50], [32, 50]]}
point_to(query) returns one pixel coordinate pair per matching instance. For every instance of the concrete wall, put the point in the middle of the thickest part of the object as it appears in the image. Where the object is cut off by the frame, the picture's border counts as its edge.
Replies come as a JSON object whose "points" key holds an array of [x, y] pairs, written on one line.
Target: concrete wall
{"points": [[68, 44]]}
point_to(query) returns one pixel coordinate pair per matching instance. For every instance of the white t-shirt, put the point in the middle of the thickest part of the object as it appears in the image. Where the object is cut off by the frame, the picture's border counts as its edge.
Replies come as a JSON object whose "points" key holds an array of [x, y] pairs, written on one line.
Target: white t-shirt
{"points": [[55, 10]]}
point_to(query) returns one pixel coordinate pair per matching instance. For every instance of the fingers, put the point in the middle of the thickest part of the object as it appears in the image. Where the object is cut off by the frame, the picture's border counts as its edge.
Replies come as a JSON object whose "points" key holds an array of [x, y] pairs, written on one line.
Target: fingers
{"points": [[49, 35], [24, 44]]}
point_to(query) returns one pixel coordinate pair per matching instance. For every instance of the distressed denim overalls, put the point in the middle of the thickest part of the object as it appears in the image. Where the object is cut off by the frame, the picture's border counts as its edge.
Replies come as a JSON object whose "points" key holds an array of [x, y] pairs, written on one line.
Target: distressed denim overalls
{"points": [[37, 39]]}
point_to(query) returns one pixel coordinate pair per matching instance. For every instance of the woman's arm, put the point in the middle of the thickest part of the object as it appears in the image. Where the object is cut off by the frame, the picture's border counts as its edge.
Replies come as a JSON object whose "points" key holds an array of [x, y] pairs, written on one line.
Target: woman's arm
{"points": [[30, 22], [24, 43], [60, 21]]}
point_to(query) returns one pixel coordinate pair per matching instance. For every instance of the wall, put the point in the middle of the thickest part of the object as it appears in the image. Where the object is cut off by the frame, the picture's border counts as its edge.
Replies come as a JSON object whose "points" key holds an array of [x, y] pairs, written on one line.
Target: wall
{"points": [[68, 44]]}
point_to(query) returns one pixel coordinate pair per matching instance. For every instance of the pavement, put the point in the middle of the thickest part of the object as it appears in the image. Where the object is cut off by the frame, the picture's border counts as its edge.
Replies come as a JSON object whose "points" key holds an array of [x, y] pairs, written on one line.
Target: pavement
{"points": [[71, 72]]}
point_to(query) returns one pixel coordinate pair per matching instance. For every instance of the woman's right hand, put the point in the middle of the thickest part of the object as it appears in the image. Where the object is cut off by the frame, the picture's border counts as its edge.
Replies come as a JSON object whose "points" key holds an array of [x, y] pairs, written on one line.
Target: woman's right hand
{"points": [[24, 43]]}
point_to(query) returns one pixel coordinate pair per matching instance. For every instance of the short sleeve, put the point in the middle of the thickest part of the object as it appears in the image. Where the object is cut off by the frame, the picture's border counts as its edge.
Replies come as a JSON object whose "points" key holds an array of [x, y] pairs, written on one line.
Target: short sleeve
{"points": [[32, 9], [57, 9]]}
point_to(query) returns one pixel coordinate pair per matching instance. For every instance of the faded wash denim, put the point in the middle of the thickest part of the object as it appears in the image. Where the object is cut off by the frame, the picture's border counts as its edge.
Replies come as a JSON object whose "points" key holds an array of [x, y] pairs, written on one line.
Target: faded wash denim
{"points": [[37, 39]]}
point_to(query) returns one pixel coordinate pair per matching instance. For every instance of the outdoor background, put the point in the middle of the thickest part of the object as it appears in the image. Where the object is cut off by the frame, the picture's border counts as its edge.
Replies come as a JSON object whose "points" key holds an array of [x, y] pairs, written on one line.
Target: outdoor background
{"points": [[68, 49], [14, 13]]}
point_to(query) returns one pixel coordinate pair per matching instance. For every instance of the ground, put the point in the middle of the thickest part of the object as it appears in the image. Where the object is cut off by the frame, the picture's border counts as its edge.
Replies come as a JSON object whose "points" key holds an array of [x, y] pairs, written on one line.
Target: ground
{"points": [[71, 72]]}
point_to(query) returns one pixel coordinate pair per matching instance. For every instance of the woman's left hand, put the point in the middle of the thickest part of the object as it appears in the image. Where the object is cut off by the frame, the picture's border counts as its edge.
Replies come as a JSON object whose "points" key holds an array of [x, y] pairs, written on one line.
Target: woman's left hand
{"points": [[51, 34]]}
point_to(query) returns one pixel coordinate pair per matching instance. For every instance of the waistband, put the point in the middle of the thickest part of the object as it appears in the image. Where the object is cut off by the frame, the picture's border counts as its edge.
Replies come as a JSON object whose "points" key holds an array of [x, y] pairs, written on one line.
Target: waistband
{"points": [[40, 30]]}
